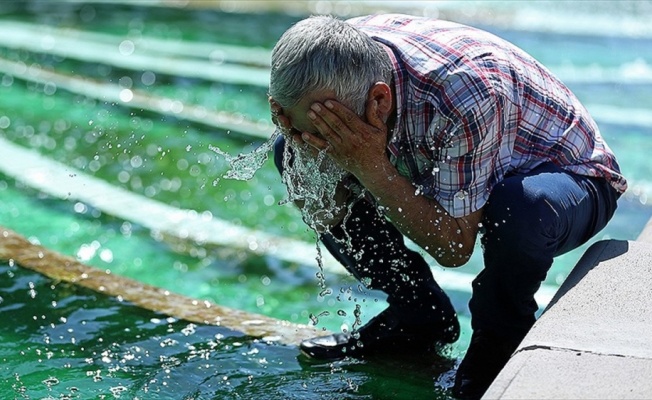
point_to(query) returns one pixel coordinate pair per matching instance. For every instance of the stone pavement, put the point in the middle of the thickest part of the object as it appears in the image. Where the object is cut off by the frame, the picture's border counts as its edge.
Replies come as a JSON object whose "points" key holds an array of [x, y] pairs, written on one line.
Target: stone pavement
{"points": [[594, 340]]}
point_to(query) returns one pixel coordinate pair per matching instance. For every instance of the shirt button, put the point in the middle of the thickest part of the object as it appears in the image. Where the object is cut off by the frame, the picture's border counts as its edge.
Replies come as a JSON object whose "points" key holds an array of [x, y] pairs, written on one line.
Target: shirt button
{"points": [[461, 194]]}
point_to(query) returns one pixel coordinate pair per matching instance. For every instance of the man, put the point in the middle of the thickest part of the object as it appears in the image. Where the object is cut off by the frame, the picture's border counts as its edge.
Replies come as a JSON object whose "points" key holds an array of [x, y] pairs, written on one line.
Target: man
{"points": [[444, 132]]}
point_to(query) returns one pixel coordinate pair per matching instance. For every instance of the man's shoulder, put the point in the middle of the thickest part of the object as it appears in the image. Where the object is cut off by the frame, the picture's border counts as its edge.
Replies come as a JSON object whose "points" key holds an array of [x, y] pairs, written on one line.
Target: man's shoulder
{"points": [[378, 19], [397, 21]]}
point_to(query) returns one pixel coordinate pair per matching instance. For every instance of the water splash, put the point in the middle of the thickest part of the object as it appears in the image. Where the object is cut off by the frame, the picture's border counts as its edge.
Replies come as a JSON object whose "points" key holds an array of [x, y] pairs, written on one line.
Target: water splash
{"points": [[244, 166], [312, 181]]}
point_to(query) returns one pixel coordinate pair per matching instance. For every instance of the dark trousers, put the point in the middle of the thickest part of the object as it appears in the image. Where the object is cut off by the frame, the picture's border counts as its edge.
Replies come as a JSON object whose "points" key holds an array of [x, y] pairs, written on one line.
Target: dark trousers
{"points": [[528, 220]]}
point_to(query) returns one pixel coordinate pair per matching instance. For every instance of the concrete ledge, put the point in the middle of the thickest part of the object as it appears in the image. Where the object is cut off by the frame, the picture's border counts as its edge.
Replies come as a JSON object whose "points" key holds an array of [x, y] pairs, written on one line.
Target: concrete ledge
{"points": [[544, 373], [595, 338]]}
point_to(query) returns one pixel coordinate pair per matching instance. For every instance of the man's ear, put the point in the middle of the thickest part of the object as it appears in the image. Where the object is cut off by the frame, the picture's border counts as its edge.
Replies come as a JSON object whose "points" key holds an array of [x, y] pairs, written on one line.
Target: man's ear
{"points": [[382, 94]]}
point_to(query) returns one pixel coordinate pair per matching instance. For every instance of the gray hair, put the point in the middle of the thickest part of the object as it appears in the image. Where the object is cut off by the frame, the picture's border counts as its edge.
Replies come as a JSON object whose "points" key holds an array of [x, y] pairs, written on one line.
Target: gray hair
{"points": [[323, 52]]}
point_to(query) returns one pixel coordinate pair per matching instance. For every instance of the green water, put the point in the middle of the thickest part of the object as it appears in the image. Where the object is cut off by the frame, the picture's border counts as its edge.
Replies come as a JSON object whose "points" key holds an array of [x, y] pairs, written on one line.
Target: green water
{"points": [[67, 342], [76, 344], [60, 327]]}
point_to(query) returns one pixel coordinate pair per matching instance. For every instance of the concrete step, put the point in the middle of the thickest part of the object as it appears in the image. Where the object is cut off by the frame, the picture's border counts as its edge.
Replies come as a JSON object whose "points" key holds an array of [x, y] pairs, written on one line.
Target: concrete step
{"points": [[594, 340]]}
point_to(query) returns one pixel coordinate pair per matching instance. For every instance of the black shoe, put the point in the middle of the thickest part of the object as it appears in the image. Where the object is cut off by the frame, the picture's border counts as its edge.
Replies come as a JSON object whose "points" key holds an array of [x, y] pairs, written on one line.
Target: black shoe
{"points": [[385, 333], [485, 358]]}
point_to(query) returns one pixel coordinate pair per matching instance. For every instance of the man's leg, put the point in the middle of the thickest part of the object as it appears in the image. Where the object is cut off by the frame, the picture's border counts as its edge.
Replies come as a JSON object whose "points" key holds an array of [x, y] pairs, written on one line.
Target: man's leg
{"points": [[528, 220], [373, 250]]}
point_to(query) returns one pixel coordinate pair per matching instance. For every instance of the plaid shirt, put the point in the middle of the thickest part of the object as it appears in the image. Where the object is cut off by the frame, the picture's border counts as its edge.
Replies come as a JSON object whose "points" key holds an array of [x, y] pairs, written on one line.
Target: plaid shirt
{"points": [[473, 108]]}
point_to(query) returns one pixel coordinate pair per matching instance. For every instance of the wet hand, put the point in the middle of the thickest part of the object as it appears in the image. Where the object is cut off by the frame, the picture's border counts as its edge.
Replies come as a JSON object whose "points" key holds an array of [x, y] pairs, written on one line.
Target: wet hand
{"points": [[356, 145]]}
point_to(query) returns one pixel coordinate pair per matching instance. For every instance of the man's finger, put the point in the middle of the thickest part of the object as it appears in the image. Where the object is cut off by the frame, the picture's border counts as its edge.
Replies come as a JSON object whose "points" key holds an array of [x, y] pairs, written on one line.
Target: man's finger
{"points": [[314, 141], [284, 121], [274, 107], [327, 129], [342, 112], [332, 119]]}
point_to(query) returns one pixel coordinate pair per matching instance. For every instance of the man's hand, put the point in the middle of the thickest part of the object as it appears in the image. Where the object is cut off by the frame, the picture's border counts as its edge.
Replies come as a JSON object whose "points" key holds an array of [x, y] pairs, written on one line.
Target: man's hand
{"points": [[356, 145]]}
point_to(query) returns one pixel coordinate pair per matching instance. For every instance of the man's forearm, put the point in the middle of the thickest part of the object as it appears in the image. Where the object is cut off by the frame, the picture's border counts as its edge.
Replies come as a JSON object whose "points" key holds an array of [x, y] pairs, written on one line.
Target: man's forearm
{"points": [[449, 240]]}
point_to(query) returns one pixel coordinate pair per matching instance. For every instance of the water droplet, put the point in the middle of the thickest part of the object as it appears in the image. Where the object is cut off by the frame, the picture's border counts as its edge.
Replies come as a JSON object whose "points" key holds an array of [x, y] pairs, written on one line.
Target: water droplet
{"points": [[117, 390], [356, 313], [126, 47], [168, 342], [126, 95], [51, 381], [188, 330]]}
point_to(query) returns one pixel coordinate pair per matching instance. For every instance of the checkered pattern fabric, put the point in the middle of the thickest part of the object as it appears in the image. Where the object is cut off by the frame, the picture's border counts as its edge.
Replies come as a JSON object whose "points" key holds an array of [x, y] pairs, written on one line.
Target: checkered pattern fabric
{"points": [[473, 108]]}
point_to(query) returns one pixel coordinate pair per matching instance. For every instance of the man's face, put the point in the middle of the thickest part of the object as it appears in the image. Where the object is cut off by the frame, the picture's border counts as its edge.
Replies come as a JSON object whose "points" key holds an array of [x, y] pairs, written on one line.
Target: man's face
{"points": [[297, 119]]}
